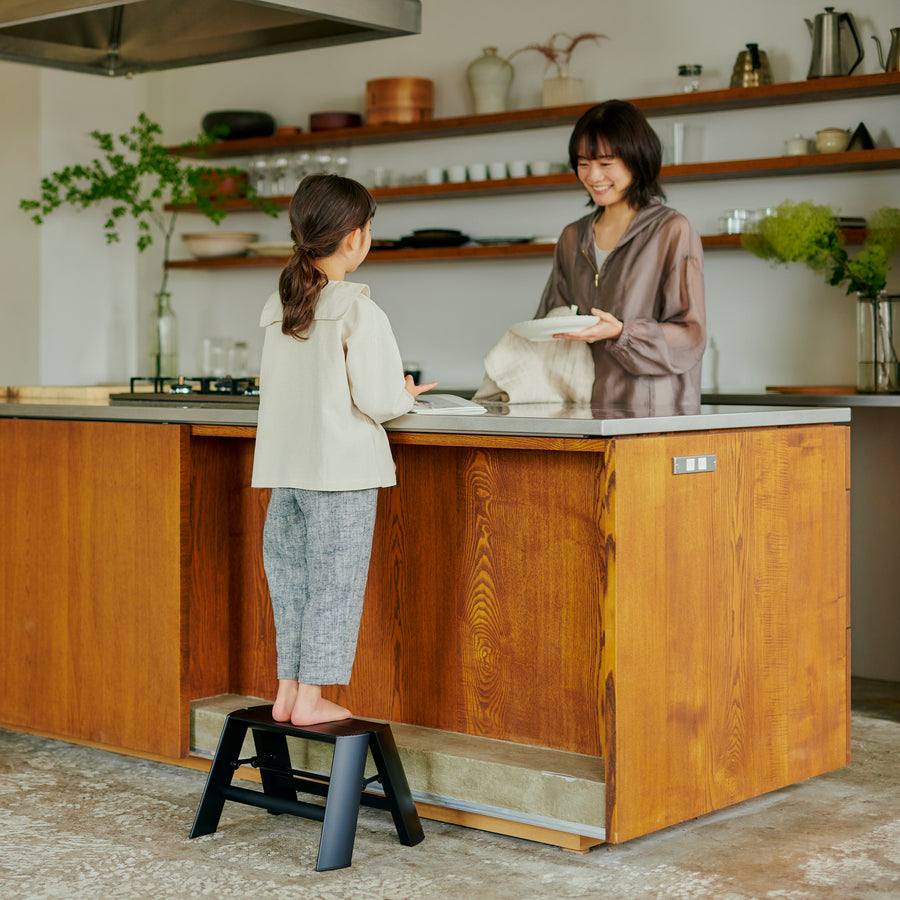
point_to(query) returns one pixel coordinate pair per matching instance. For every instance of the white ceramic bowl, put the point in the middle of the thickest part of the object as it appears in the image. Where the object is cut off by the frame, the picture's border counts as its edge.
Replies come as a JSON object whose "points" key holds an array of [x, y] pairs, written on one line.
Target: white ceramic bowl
{"points": [[207, 244]]}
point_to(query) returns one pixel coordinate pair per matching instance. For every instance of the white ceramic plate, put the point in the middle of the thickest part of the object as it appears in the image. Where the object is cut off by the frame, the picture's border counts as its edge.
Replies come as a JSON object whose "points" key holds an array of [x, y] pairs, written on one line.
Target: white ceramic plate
{"points": [[272, 248], [544, 329]]}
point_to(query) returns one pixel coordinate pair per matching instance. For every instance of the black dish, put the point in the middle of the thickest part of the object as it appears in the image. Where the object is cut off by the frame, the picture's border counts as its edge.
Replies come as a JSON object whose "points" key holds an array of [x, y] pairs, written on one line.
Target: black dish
{"points": [[239, 124], [434, 237]]}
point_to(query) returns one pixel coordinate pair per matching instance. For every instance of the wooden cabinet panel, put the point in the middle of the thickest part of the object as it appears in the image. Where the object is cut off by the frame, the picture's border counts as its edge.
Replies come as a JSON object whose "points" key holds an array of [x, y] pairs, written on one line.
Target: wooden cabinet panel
{"points": [[729, 676], [90, 576], [483, 609]]}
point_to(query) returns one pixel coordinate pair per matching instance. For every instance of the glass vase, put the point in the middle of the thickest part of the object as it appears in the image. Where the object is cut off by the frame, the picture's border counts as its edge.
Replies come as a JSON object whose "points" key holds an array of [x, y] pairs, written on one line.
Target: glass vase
{"points": [[877, 339], [164, 338]]}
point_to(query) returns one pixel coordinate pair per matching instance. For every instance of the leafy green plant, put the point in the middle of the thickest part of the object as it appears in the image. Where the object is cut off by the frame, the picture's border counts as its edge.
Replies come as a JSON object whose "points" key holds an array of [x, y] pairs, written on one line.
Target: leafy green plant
{"points": [[138, 176], [810, 234]]}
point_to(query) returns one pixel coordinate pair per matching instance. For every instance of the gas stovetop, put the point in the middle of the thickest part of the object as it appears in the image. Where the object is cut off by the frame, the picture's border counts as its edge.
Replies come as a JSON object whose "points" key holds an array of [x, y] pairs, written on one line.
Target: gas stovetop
{"points": [[191, 391]]}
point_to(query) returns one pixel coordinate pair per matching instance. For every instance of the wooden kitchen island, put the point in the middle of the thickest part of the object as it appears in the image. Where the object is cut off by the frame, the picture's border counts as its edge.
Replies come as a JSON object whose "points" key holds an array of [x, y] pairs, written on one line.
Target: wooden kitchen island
{"points": [[540, 576]]}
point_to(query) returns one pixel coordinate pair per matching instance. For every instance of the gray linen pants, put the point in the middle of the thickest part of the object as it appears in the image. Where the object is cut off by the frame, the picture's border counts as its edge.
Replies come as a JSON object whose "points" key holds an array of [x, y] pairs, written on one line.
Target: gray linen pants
{"points": [[316, 549]]}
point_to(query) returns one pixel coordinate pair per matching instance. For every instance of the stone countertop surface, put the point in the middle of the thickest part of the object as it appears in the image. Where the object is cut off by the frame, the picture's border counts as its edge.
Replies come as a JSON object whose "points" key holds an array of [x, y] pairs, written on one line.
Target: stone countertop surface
{"points": [[521, 419]]}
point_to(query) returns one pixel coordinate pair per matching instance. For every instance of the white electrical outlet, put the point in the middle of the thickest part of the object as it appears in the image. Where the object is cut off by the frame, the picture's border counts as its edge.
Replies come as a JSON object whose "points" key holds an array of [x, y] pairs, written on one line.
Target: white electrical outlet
{"points": [[690, 465]]}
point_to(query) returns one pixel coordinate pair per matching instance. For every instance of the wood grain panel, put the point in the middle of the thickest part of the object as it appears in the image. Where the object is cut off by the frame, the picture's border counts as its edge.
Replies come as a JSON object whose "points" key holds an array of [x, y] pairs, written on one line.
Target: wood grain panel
{"points": [[232, 638], [483, 609], [90, 572], [730, 672]]}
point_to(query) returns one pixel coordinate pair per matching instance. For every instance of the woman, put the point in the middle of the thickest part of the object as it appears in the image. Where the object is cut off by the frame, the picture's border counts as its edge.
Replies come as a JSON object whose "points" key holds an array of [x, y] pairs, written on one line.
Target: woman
{"points": [[634, 264]]}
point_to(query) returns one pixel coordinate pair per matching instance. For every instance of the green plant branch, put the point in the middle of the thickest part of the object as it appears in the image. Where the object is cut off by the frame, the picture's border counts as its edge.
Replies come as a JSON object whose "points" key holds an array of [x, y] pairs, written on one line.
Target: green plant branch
{"points": [[810, 234], [137, 176]]}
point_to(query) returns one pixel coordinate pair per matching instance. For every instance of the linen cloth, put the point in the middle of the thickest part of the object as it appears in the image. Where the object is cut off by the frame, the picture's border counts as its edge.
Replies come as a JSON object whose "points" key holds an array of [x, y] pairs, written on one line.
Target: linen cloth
{"points": [[521, 371]]}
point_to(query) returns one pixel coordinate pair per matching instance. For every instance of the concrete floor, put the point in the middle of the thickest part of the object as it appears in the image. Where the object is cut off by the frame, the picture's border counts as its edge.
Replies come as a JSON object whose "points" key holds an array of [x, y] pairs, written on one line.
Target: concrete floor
{"points": [[77, 822]]}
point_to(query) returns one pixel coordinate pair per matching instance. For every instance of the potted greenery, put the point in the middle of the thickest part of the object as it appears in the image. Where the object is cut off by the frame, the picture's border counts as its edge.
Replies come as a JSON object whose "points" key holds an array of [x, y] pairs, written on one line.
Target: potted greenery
{"points": [[138, 176], [563, 89], [810, 234]]}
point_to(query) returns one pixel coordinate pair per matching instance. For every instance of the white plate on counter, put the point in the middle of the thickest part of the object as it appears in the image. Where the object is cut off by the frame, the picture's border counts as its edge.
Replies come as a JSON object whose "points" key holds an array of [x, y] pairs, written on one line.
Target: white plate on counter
{"points": [[272, 248], [544, 329]]}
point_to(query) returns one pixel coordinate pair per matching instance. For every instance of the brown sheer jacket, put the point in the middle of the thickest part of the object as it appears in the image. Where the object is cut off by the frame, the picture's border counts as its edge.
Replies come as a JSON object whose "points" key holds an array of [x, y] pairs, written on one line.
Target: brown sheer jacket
{"points": [[652, 281]]}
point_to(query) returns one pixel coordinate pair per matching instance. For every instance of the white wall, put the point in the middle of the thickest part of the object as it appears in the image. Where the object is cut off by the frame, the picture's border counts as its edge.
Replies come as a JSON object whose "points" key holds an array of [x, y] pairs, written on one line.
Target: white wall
{"points": [[767, 326], [20, 254]]}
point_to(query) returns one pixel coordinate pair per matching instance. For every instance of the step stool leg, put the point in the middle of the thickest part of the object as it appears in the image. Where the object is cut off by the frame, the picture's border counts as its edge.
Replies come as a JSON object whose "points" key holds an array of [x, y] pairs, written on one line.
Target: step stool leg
{"points": [[396, 787], [220, 774], [342, 802], [272, 750]]}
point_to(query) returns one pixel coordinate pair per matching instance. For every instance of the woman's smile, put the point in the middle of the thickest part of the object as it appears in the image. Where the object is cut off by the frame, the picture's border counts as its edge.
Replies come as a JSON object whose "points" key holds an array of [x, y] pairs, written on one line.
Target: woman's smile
{"points": [[606, 179]]}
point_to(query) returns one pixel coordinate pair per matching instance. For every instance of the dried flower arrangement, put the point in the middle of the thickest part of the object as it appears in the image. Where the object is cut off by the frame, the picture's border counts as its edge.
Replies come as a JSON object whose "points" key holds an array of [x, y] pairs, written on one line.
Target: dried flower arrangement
{"points": [[560, 56]]}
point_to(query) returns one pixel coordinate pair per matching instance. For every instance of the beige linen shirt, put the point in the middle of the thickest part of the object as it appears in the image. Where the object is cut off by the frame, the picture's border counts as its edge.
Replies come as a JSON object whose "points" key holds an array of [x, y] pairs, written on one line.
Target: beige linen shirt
{"points": [[322, 400]]}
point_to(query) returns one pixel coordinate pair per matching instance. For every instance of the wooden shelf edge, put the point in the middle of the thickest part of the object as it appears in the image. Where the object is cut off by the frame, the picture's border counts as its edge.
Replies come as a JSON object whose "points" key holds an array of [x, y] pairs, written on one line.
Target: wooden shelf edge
{"points": [[852, 236], [734, 169], [781, 94]]}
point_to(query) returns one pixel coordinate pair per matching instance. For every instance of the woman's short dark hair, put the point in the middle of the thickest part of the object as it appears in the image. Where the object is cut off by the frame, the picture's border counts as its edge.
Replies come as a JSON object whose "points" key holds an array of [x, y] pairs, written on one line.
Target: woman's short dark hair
{"points": [[620, 129]]}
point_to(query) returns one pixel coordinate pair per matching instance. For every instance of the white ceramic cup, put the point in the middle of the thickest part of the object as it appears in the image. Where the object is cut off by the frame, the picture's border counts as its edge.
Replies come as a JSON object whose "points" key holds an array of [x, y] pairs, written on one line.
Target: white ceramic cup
{"points": [[434, 175], [540, 167], [478, 172], [497, 170], [518, 168], [456, 173]]}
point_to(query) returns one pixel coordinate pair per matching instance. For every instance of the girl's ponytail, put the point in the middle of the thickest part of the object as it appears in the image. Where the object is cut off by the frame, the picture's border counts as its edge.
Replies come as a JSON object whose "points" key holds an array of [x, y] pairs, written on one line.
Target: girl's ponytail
{"points": [[323, 211]]}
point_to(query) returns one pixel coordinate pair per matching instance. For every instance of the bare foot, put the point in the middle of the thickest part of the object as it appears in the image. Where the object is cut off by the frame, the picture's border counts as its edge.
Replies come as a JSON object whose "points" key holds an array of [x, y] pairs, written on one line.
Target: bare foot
{"points": [[284, 702], [311, 708]]}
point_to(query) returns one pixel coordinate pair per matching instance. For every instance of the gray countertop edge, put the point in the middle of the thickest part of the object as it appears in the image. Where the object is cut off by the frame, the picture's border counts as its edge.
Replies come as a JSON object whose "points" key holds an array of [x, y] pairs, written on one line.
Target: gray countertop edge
{"points": [[500, 421], [772, 398]]}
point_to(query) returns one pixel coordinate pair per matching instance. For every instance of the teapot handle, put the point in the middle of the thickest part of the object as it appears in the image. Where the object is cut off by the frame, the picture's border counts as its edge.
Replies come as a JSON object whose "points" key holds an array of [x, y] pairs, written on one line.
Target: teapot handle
{"points": [[846, 17]]}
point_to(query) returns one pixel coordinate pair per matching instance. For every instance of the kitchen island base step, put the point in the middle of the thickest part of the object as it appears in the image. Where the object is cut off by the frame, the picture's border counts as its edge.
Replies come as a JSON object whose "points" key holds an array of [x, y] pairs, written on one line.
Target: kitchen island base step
{"points": [[344, 789], [532, 793]]}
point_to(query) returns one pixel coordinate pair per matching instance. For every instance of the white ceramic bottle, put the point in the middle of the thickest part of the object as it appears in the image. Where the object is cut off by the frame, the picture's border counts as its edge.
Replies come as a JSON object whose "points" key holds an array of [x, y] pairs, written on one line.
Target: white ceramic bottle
{"points": [[489, 78]]}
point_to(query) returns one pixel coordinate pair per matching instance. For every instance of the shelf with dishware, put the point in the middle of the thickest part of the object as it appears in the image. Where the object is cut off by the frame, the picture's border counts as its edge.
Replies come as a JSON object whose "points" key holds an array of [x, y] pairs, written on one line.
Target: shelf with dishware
{"points": [[782, 94], [475, 251], [722, 170]]}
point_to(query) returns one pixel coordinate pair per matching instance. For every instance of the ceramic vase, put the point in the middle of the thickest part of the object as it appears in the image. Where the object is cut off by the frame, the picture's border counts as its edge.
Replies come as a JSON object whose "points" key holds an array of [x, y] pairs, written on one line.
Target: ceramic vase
{"points": [[878, 336], [563, 91], [489, 79]]}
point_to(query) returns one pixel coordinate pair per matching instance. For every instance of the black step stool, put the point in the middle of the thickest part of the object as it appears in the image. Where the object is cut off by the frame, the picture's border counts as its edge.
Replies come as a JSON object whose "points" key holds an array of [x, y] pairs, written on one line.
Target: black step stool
{"points": [[344, 789]]}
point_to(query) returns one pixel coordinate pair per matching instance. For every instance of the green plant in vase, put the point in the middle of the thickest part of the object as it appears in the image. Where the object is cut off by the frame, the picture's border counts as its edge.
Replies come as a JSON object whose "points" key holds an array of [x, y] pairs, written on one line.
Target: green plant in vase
{"points": [[136, 175], [810, 234]]}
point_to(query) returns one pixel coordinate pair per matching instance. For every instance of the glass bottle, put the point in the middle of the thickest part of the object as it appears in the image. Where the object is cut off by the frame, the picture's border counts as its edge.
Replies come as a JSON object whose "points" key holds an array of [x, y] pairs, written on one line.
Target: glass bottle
{"points": [[689, 78], [164, 338]]}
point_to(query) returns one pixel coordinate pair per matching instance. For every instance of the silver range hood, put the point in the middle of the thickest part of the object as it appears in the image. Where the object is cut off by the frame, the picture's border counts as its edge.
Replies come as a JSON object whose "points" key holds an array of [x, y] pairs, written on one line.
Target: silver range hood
{"points": [[123, 38]]}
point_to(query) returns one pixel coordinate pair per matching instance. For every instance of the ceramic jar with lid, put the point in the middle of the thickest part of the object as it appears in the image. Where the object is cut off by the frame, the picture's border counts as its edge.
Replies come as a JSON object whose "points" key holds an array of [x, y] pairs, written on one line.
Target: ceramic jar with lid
{"points": [[832, 140]]}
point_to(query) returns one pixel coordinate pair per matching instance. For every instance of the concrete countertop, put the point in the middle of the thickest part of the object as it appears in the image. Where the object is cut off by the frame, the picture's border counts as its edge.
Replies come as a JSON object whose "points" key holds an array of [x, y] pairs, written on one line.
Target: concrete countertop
{"points": [[521, 419]]}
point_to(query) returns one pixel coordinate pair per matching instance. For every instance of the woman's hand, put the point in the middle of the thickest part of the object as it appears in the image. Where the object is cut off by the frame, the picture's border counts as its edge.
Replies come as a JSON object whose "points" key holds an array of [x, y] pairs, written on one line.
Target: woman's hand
{"points": [[416, 389], [607, 328]]}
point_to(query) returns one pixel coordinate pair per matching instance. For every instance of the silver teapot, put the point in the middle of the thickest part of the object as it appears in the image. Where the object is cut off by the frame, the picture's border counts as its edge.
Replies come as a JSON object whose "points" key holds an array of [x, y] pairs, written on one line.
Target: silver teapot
{"points": [[827, 55]]}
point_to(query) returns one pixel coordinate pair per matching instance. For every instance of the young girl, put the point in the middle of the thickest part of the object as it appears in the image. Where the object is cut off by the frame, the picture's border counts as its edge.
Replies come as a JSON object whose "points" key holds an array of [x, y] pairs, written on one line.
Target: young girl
{"points": [[331, 374]]}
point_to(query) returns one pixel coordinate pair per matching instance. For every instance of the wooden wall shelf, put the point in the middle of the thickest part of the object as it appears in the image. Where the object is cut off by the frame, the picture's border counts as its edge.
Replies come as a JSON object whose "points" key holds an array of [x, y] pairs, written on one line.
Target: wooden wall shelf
{"points": [[783, 94], [443, 254], [725, 170]]}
